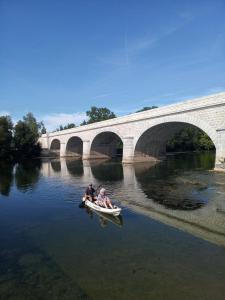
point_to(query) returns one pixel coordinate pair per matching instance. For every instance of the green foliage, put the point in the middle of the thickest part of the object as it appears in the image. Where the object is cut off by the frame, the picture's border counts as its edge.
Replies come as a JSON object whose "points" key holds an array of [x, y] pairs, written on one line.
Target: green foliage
{"points": [[97, 114], [42, 128], [83, 123], [26, 134], [33, 125], [147, 108], [68, 126], [6, 127], [21, 140], [190, 139]]}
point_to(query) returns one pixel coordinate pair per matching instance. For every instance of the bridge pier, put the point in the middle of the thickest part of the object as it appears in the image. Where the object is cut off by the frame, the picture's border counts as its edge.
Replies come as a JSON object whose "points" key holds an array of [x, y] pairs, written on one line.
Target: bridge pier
{"points": [[128, 150], [220, 151], [86, 150], [62, 152]]}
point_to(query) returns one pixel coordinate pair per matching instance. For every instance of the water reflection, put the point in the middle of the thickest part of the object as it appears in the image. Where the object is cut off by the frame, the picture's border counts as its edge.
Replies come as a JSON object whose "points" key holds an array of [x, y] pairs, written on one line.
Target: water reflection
{"points": [[104, 219], [108, 170], [179, 191], [164, 185], [27, 174], [6, 177], [56, 165], [75, 167], [51, 249]]}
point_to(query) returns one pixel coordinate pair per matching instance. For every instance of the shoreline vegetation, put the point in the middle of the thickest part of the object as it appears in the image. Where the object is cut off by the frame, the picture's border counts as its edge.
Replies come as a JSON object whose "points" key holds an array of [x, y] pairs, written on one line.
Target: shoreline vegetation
{"points": [[20, 141]]}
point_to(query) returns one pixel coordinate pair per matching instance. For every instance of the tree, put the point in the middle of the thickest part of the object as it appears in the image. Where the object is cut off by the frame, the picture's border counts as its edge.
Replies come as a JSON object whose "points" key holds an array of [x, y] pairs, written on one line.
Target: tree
{"points": [[32, 123], [26, 134], [68, 126], [42, 128], [97, 114], [83, 123], [6, 127], [190, 139], [147, 108], [205, 142]]}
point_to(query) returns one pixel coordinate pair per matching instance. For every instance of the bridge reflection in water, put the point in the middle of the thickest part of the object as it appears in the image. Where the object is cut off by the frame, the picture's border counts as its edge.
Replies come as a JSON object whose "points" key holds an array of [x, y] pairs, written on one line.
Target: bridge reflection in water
{"points": [[172, 199]]}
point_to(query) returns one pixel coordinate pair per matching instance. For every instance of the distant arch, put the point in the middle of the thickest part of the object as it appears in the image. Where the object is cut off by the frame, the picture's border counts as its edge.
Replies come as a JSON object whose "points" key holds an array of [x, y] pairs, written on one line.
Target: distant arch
{"points": [[74, 147], [106, 145], [55, 146]]}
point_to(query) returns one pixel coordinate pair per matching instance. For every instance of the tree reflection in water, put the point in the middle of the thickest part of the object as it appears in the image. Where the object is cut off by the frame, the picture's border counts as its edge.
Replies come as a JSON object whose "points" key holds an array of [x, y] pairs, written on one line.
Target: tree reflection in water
{"points": [[6, 177], [166, 185], [27, 174]]}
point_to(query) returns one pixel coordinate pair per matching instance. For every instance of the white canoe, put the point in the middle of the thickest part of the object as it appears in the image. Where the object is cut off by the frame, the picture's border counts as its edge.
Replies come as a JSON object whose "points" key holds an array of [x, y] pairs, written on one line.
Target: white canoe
{"points": [[112, 211]]}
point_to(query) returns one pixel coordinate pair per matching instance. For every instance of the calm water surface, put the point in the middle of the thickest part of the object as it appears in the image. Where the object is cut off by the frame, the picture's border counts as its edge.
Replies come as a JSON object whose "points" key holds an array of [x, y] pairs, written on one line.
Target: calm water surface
{"points": [[168, 244]]}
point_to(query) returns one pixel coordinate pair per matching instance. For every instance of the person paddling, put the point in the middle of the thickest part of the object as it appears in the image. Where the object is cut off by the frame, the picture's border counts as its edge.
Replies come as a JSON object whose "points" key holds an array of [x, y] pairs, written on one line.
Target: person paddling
{"points": [[90, 193], [103, 200]]}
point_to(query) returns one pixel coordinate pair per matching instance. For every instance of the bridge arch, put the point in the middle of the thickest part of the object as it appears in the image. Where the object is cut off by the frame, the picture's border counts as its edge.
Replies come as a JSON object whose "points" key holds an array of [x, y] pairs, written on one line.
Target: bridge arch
{"points": [[150, 144], [55, 146], [74, 147], [107, 144]]}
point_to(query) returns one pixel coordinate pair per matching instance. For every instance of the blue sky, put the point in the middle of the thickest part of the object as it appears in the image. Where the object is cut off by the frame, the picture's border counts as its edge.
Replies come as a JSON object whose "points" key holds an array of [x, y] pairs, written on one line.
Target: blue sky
{"points": [[59, 58]]}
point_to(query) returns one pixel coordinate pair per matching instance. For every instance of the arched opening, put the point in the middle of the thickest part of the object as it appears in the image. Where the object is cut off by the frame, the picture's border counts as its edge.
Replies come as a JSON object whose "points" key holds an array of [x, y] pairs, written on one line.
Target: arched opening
{"points": [[74, 147], [106, 145], [158, 140], [55, 146]]}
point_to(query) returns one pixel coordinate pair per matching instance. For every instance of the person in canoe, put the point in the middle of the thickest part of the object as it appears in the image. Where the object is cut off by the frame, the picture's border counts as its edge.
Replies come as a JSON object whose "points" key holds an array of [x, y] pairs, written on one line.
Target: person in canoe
{"points": [[90, 193], [103, 200]]}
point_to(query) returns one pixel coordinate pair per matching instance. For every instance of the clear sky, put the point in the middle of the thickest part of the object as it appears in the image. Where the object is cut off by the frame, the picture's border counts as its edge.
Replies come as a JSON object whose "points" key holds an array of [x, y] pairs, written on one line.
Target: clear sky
{"points": [[60, 57]]}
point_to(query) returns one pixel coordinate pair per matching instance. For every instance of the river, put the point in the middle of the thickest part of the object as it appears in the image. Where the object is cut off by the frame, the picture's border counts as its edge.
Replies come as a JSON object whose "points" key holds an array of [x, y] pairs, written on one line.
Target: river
{"points": [[169, 242]]}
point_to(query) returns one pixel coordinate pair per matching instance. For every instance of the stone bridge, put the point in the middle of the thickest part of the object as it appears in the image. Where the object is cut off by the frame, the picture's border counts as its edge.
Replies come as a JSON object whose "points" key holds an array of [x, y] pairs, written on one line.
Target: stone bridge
{"points": [[143, 136]]}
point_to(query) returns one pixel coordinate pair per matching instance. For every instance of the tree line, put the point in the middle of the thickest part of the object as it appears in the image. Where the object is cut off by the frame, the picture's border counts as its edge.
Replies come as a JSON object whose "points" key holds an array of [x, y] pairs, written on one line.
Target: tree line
{"points": [[21, 140], [95, 114]]}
